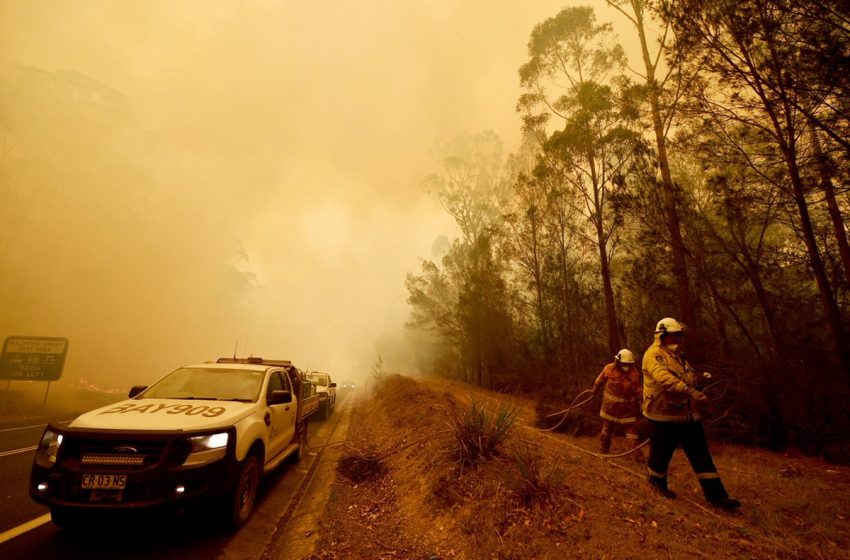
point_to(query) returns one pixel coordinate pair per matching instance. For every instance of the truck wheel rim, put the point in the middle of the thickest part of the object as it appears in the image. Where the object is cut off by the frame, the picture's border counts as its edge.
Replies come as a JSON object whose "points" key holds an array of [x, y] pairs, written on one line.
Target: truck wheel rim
{"points": [[247, 485]]}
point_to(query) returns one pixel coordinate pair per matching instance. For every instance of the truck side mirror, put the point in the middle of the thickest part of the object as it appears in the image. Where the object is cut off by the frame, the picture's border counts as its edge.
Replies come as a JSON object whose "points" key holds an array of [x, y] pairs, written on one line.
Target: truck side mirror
{"points": [[136, 390], [279, 397], [333, 384]]}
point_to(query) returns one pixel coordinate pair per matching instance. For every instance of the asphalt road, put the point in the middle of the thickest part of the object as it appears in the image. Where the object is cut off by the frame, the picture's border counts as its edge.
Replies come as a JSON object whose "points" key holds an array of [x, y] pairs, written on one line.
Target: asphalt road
{"points": [[15, 504], [192, 533]]}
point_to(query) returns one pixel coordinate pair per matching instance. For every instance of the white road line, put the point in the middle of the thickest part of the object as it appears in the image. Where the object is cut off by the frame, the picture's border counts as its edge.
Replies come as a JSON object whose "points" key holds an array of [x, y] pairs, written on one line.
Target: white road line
{"points": [[24, 527], [30, 427], [16, 451], [23, 428]]}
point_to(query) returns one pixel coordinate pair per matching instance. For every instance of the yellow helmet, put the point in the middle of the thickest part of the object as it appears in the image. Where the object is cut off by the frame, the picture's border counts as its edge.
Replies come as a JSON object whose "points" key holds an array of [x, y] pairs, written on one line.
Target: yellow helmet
{"points": [[669, 325]]}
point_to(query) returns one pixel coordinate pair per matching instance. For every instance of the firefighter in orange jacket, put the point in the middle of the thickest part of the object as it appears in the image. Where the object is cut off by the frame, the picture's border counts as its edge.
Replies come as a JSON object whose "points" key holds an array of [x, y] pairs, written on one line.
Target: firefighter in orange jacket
{"points": [[621, 398], [670, 395]]}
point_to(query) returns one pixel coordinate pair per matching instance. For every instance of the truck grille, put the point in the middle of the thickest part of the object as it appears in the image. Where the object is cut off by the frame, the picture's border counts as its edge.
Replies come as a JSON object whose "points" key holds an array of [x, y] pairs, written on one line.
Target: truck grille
{"points": [[113, 460], [115, 453]]}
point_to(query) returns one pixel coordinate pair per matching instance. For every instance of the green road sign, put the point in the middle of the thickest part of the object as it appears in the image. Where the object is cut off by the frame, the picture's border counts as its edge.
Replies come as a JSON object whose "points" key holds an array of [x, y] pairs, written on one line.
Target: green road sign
{"points": [[33, 358]]}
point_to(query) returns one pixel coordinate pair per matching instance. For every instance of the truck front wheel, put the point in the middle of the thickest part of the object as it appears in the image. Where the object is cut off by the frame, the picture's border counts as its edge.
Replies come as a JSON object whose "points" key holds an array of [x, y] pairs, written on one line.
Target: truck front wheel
{"points": [[62, 517], [240, 501]]}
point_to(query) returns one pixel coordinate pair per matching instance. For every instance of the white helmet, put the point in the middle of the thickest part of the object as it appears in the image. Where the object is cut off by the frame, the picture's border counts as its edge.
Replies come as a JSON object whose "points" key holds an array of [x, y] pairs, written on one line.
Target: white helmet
{"points": [[625, 356], [669, 325]]}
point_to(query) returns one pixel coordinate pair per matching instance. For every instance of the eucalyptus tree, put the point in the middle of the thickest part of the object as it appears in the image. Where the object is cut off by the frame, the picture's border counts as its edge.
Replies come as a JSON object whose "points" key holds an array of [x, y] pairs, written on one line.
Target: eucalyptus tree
{"points": [[573, 76], [739, 218], [526, 247], [748, 72], [663, 95], [469, 185], [816, 34], [464, 297]]}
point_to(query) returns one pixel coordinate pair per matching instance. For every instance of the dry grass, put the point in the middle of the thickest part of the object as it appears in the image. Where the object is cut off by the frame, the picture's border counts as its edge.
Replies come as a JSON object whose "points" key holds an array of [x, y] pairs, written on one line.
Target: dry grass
{"points": [[541, 497], [532, 478], [360, 468], [479, 431]]}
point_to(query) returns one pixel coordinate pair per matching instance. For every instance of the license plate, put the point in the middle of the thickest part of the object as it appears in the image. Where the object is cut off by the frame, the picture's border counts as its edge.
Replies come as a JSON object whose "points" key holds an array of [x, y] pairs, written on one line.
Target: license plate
{"points": [[104, 481]]}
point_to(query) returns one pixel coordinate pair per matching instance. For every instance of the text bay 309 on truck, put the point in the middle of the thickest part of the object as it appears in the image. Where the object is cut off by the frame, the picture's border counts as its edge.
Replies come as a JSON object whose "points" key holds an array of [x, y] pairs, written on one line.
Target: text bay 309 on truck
{"points": [[202, 431]]}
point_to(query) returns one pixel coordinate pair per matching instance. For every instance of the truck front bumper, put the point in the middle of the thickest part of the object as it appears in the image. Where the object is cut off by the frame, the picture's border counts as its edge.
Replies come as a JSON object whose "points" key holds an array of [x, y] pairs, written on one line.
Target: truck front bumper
{"points": [[140, 470]]}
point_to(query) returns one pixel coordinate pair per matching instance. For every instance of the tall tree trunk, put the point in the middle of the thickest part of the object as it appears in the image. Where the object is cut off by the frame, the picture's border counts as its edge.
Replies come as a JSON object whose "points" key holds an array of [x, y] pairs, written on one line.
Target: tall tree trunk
{"points": [[786, 135], [569, 315], [754, 277], [713, 296], [680, 269], [541, 305], [608, 293], [828, 302], [834, 211], [735, 317]]}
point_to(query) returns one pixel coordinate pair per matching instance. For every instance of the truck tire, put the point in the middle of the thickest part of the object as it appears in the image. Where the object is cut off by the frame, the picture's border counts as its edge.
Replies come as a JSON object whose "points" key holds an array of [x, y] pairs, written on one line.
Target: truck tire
{"points": [[301, 440], [326, 410], [240, 500], [62, 517]]}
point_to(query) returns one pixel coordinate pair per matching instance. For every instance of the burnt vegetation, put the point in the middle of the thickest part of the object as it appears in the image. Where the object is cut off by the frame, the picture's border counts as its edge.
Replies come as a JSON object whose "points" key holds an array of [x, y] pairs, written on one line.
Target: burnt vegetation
{"points": [[704, 178]]}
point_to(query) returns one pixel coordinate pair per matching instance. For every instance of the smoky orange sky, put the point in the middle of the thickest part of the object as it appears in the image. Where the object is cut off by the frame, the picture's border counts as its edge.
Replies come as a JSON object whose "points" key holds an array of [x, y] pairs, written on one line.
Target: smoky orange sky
{"points": [[180, 175]]}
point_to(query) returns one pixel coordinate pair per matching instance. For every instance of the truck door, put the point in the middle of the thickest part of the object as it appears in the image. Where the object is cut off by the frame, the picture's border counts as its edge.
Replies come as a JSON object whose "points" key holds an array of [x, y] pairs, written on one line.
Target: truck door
{"points": [[290, 410], [281, 424]]}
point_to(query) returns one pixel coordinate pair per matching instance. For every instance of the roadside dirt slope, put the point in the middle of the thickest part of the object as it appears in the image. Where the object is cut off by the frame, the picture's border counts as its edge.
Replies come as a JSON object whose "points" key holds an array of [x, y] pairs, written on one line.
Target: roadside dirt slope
{"points": [[400, 493]]}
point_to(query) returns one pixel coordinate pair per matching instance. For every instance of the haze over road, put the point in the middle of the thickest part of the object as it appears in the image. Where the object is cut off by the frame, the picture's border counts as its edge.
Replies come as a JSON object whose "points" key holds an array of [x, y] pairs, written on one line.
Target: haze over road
{"points": [[180, 176]]}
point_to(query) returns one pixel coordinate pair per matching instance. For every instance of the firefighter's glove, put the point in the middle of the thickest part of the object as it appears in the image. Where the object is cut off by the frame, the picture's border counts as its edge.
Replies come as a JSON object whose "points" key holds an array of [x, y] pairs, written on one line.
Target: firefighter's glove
{"points": [[700, 396]]}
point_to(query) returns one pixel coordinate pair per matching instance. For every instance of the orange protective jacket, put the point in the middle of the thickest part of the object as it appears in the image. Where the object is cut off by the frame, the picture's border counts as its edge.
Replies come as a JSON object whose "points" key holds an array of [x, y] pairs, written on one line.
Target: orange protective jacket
{"points": [[623, 393]]}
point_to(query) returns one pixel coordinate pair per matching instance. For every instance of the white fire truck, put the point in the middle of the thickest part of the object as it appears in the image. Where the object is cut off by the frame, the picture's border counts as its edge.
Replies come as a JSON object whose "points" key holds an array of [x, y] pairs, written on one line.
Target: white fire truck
{"points": [[205, 431]]}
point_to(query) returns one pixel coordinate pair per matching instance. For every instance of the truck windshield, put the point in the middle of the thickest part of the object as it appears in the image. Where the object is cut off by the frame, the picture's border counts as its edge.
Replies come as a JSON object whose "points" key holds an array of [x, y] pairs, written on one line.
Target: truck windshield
{"points": [[203, 383], [319, 380]]}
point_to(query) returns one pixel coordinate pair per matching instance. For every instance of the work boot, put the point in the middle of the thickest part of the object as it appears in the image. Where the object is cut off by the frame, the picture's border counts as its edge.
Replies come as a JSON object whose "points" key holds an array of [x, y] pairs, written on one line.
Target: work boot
{"points": [[729, 504], [715, 492], [660, 486], [636, 451], [605, 443]]}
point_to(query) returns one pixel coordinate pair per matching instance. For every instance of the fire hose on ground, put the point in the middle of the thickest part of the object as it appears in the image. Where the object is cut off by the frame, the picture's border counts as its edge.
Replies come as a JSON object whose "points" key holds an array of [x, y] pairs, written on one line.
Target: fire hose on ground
{"points": [[575, 405]]}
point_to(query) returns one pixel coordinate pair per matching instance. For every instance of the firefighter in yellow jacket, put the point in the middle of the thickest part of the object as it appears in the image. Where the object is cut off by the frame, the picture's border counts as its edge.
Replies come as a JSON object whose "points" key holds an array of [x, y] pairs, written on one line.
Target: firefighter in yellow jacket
{"points": [[621, 398], [670, 395]]}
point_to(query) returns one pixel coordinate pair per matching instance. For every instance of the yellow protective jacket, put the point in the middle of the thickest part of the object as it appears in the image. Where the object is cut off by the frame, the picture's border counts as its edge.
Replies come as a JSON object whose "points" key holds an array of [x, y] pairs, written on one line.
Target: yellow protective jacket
{"points": [[669, 385], [622, 394]]}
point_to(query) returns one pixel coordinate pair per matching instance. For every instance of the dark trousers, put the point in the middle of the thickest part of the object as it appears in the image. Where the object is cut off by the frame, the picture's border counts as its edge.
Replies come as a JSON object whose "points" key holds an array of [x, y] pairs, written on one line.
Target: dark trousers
{"points": [[690, 436]]}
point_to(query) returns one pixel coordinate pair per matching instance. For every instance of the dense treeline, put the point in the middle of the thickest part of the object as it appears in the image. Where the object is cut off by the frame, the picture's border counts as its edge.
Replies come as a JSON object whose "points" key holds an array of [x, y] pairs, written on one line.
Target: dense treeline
{"points": [[704, 178]]}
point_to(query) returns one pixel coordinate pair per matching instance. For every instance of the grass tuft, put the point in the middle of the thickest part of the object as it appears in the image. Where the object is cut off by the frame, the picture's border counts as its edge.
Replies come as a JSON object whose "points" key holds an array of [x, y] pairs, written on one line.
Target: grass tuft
{"points": [[479, 430], [533, 480]]}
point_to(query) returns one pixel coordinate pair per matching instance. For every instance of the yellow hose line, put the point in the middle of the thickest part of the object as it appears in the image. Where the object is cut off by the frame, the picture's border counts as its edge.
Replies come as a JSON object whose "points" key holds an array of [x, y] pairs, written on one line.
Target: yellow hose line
{"points": [[574, 405]]}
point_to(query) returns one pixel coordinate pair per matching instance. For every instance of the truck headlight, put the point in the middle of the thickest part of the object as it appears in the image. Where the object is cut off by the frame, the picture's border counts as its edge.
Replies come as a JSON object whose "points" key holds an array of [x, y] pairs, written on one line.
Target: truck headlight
{"points": [[205, 449], [212, 441], [48, 447]]}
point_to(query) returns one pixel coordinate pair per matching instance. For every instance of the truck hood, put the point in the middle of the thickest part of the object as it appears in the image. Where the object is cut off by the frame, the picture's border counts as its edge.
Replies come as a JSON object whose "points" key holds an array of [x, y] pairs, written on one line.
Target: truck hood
{"points": [[165, 415]]}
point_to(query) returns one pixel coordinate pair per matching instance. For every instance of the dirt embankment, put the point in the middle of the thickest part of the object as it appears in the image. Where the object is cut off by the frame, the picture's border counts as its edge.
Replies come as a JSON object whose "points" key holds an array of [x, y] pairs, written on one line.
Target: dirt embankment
{"points": [[404, 492]]}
